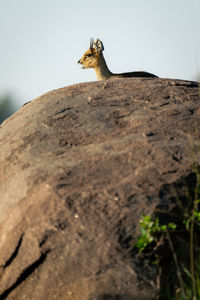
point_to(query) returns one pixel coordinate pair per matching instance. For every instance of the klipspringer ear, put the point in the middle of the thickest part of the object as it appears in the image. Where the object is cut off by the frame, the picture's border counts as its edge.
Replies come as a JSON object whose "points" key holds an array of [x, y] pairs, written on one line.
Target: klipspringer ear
{"points": [[98, 46]]}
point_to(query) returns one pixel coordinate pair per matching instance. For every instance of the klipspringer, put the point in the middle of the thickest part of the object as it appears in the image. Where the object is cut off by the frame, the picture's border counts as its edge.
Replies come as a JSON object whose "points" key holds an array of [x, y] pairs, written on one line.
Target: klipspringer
{"points": [[93, 58]]}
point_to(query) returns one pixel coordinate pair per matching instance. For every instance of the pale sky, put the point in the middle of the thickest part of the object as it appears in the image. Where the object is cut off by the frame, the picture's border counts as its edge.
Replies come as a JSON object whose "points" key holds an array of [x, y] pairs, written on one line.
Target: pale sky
{"points": [[42, 40]]}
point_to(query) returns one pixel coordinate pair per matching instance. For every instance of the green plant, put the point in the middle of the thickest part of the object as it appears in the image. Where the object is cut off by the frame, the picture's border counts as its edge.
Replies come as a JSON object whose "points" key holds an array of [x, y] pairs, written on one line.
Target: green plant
{"points": [[7, 106], [149, 228], [151, 231]]}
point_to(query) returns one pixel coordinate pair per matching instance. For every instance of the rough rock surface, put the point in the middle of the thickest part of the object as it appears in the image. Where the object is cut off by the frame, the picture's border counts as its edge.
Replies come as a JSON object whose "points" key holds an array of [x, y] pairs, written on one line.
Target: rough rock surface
{"points": [[79, 165]]}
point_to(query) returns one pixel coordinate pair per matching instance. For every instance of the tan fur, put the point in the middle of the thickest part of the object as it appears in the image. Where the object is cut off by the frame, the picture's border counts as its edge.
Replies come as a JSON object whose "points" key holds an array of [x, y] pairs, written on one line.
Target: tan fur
{"points": [[93, 58]]}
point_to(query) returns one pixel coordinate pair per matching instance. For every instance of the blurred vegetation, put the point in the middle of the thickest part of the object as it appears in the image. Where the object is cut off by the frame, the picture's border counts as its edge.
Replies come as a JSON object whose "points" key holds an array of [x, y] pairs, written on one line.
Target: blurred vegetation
{"points": [[7, 106]]}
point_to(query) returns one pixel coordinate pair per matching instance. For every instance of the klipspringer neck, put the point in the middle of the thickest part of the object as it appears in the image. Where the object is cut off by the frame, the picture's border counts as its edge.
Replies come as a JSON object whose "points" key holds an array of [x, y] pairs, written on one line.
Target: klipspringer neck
{"points": [[101, 69]]}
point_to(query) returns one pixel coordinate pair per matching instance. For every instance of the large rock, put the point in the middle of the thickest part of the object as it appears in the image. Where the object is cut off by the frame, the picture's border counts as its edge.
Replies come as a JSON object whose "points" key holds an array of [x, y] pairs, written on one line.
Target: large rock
{"points": [[79, 166]]}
